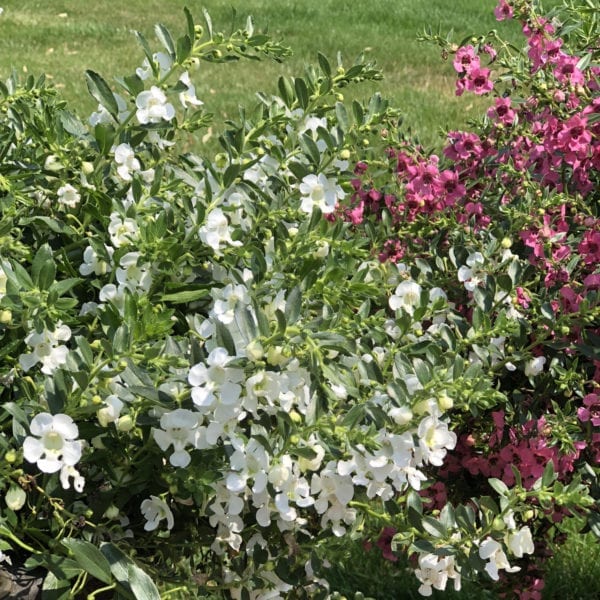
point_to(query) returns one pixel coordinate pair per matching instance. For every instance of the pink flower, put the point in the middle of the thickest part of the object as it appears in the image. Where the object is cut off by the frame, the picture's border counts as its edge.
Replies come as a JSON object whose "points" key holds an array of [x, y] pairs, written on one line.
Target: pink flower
{"points": [[503, 11], [566, 70], [465, 60], [589, 248], [501, 111], [478, 81], [590, 411]]}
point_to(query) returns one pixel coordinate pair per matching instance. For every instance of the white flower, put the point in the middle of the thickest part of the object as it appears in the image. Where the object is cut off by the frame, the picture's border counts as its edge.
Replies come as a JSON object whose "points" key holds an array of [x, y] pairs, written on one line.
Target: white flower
{"points": [[111, 412], [46, 349], [154, 510], [68, 471], [55, 445], [126, 161], [407, 296], [68, 196], [319, 191], [434, 439], [472, 274], [160, 59], [131, 276], [5, 557], [178, 428], [92, 263], [122, 230], [103, 117], [434, 571], [535, 366], [188, 96], [152, 106], [491, 550], [401, 415], [520, 542], [216, 230]]}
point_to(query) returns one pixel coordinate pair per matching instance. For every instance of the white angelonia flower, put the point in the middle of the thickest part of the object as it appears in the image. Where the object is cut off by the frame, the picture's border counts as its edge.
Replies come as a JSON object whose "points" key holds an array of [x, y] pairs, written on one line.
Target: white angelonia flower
{"points": [[318, 190], [216, 231], [188, 96], [335, 492], [46, 349], [401, 415], [122, 230], [472, 274], [55, 445], [4, 557], [68, 471], [435, 439], [103, 117], [535, 366], [92, 263], [152, 106], [520, 542], [434, 572], [126, 161], [68, 196], [155, 510], [227, 300], [132, 276], [162, 60], [178, 429], [492, 551], [407, 296], [111, 412]]}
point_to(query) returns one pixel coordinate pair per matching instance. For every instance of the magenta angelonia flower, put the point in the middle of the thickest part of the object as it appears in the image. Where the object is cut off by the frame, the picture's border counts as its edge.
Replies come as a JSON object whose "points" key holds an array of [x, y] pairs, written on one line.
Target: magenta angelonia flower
{"points": [[590, 411], [478, 81], [503, 11], [465, 60]]}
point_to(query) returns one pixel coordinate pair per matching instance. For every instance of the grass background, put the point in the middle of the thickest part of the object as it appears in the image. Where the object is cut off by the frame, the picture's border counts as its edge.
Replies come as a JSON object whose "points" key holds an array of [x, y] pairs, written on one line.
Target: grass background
{"points": [[63, 38]]}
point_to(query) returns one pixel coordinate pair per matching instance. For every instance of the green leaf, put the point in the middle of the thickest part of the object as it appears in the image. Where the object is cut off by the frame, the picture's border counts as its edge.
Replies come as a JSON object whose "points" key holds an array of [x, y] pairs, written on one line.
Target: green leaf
{"points": [[141, 584], [165, 38], [301, 92], [89, 557], [72, 124], [191, 28], [208, 21], [185, 296], [293, 305], [549, 475], [224, 338], [99, 89], [434, 527], [324, 64], [54, 588], [309, 147], [286, 90], [43, 269], [499, 486], [342, 116]]}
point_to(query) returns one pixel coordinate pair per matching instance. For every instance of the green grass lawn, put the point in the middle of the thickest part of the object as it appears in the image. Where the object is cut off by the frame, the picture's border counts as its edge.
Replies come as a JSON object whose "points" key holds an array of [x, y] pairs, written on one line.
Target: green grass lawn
{"points": [[64, 37]]}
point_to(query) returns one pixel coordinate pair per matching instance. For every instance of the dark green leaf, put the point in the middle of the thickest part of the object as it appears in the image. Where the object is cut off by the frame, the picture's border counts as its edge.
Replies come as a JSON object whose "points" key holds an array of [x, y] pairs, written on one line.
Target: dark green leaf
{"points": [[100, 90], [89, 557]]}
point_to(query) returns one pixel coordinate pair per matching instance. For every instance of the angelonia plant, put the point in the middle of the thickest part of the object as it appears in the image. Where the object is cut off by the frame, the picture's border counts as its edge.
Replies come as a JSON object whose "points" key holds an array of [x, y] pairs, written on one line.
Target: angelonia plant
{"points": [[219, 367]]}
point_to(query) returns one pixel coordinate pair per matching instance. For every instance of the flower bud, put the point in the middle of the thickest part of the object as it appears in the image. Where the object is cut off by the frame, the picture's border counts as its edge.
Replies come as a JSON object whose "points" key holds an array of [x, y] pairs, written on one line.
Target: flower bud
{"points": [[5, 317], [15, 497], [125, 423], [112, 512], [506, 242], [10, 456], [255, 351]]}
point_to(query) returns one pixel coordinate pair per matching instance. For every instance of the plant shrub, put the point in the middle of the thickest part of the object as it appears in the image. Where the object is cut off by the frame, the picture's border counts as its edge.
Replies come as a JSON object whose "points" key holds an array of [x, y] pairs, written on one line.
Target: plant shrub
{"points": [[218, 369]]}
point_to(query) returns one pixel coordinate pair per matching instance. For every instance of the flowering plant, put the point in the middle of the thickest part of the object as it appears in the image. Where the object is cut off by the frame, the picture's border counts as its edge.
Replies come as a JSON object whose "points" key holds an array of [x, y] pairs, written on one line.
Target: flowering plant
{"points": [[216, 368]]}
